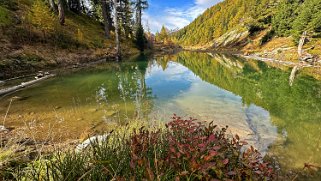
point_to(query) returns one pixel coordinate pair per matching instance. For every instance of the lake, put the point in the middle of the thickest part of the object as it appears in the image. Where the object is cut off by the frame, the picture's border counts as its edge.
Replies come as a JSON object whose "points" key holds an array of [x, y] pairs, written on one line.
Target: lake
{"points": [[253, 98]]}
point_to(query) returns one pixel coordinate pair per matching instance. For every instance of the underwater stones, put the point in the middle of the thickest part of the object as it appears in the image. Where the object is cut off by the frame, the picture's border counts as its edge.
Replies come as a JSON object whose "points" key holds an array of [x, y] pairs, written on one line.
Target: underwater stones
{"points": [[3, 129], [93, 110]]}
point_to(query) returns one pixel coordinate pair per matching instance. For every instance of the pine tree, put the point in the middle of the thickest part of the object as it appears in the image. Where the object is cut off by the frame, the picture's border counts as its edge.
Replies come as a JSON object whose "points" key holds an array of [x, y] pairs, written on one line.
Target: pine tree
{"points": [[140, 5], [140, 38], [163, 35], [126, 17]]}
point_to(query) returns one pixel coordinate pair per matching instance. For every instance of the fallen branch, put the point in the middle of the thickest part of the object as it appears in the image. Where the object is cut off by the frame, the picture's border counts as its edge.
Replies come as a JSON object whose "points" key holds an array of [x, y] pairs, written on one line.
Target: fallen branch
{"points": [[23, 85]]}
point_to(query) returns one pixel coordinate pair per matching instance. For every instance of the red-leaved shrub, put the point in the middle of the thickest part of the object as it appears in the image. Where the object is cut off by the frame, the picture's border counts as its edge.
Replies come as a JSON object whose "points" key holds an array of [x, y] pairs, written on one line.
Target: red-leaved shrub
{"points": [[188, 149]]}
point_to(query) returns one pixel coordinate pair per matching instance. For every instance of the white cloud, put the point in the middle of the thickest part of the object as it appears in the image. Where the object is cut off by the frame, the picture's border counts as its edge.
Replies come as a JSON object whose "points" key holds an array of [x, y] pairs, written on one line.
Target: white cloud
{"points": [[174, 18], [206, 2]]}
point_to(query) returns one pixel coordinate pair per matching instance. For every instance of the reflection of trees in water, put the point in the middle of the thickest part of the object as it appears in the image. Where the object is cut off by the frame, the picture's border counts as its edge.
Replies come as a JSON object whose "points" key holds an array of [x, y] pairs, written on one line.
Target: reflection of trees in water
{"points": [[127, 95], [258, 84], [295, 109]]}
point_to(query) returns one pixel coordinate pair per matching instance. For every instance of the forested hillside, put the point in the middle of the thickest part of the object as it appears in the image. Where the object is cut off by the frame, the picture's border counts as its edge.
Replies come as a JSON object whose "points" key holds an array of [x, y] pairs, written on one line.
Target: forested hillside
{"points": [[36, 34], [278, 17]]}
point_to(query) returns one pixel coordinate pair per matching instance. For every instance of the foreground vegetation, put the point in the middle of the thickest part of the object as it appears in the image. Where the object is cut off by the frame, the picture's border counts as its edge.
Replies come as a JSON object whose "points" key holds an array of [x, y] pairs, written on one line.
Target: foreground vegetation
{"points": [[185, 149]]}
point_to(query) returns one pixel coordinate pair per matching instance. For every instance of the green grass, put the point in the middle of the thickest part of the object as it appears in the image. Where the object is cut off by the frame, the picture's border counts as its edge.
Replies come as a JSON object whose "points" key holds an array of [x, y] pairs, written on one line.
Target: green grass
{"points": [[5, 17]]}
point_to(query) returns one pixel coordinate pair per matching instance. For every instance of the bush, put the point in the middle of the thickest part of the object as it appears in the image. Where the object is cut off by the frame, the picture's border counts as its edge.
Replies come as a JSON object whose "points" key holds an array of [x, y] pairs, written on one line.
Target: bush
{"points": [[186, 150]]}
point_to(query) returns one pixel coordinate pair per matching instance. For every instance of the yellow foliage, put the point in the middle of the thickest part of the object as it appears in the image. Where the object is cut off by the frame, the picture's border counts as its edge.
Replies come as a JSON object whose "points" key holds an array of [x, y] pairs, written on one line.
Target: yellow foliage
{"points": [[41, 17], [80, 35]]}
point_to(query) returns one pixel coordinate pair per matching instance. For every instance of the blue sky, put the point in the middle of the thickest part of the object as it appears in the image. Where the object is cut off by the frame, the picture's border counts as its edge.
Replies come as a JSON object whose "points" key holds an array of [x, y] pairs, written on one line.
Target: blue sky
{"points": [[174, 13]]}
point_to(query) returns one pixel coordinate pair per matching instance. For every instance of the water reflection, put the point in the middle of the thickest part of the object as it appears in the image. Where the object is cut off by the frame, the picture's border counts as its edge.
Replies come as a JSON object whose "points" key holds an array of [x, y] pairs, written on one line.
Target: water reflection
{"points": [[252, 97], [296, 111]]}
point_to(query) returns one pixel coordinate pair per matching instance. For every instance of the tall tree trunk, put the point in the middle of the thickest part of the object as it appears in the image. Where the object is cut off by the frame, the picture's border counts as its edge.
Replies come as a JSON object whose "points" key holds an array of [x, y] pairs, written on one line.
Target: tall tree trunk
{"points": [[109, 12], [61, 12], [118, 54], [105, 16], [53, 6], [139, 17]]}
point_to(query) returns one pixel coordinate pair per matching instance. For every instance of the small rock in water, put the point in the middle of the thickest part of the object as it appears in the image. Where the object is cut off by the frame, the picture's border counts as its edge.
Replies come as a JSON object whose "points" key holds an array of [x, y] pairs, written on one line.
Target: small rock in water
{"points": [[2, 128], [57, 107], [1, 82], [80, 119]]}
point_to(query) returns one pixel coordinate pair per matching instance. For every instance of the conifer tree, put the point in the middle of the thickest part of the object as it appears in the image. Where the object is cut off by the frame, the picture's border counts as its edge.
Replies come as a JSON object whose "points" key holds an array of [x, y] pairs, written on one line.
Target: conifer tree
{"points": [[140, 38], [140, 5], [126, 17], [163, 35]]}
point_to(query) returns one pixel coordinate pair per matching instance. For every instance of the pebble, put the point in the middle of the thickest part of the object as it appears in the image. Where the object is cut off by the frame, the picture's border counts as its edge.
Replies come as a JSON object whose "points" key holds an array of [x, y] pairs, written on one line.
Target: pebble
{"points": [[57, 107], [1, 82], [2, 128]]}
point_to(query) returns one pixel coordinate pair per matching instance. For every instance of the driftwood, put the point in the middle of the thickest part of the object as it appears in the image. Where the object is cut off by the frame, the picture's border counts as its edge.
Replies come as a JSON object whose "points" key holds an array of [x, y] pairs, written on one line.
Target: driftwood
{"points": [[300, 53], [23, 85], [293, 73], [304, 57]]}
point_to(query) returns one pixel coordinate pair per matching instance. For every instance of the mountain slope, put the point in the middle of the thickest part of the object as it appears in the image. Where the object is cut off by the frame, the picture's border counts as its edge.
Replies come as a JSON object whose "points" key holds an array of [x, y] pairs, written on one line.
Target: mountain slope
{"points": [[224, 17], [235, 23]]}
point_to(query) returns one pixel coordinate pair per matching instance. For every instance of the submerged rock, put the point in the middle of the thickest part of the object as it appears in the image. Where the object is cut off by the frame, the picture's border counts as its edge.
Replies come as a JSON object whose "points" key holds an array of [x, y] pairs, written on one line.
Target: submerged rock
{"points": [[3, 129], [95, 139], [93, 110]]}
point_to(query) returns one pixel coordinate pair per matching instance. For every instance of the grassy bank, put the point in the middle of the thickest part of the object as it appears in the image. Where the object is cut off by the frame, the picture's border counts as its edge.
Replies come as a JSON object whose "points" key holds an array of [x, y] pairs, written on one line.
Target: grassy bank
{"points": [[180, 150]]}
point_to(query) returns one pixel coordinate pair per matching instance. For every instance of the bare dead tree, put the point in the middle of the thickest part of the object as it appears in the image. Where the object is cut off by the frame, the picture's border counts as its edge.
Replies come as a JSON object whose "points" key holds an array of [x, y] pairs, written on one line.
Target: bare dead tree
{"points": [[304, 57]]}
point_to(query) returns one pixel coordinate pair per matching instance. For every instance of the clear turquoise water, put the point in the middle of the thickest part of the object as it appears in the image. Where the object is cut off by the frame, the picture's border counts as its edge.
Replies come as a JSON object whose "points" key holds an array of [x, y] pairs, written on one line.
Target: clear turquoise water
{"points": [[252, 97]]}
